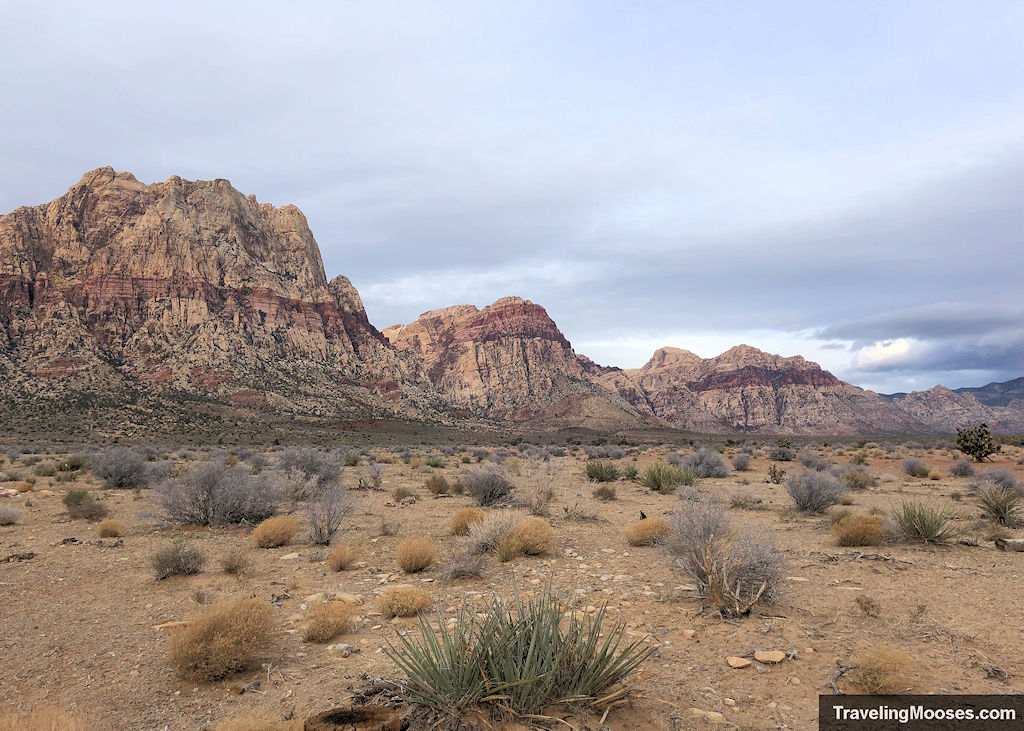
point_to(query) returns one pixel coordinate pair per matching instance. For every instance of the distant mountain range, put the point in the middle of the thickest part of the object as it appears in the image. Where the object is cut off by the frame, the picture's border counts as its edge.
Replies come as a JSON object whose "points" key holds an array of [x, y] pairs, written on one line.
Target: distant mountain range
{"points": [[129, 302]]}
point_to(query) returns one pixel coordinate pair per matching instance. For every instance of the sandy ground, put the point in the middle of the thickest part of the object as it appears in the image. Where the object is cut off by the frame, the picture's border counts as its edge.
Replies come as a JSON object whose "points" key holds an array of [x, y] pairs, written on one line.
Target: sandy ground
{"points": [[78, 619]]}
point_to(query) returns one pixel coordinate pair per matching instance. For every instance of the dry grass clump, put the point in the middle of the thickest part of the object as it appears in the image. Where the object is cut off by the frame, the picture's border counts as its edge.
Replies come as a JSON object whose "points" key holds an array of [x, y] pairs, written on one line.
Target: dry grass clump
{"points": [[533, 536], [934, 475], [858, 530], [275, 532], [646, 532], [24, 486], [487, 534], [110, 528], [255, 721], [327, 621], [460, 523], [403, 601], [9, 515], [880, 669], [223, 640], [341, 557], [463, 566], [177, 559], [436, 484], [415, 554], [234, 562], [41, 718], [402, 493], [81, 504], [604, 492]]}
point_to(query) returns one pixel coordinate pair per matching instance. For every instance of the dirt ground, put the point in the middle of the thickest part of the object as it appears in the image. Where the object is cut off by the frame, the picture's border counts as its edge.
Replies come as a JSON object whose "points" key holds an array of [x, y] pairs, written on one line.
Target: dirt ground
{"points": [[79, 617]]}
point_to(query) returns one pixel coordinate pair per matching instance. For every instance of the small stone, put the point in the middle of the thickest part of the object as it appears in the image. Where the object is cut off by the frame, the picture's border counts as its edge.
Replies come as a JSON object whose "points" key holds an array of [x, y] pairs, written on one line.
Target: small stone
{"points": [[794, 681], [344, 649], [769, 656], [729, 701], [348, 598], [313, 599], [738, 662], [289, 557], [796, 578], [689, 633], [712, 716], [808, 651]]}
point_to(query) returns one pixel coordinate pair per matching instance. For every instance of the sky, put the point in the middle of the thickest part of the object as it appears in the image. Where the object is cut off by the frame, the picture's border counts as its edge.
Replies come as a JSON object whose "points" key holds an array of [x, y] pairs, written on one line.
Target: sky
{"points": [[842, 181]]}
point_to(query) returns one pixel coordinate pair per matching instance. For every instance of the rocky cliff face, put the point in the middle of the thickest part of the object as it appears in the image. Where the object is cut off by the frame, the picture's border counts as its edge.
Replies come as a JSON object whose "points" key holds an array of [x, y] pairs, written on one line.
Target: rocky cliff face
{"points": [[186, 287], [748, 390], [943, 410], [509, 360]]}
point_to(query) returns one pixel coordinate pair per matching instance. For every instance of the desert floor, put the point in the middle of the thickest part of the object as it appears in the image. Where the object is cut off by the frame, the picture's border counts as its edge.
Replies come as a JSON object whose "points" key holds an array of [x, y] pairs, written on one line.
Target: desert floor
{"points": [[80, 618]]}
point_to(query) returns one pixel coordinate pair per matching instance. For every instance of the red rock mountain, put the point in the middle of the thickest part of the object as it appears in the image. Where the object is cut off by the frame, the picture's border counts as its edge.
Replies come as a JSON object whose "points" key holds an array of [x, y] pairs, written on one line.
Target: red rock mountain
{"points": [[186, 287]]}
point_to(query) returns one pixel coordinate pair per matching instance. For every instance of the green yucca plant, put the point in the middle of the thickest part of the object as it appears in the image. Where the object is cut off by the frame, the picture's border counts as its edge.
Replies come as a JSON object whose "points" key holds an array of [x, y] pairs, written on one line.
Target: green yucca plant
{"points": [[517, 659], [600, 471], [919, 522], [665, 478], [435, 461], [630, 472], [1001, 504]]}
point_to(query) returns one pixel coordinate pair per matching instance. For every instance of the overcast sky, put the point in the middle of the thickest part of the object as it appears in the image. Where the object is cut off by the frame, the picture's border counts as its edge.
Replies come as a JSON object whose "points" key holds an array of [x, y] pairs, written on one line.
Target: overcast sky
{"points": [[843, 181]]}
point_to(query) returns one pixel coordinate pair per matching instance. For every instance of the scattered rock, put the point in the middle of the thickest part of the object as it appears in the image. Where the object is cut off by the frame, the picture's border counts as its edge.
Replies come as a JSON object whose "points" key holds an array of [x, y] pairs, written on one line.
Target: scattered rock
{"points": [[289, 557], [345, 650], [769, 656], [689, 633], [738, 662], [712, 716]]}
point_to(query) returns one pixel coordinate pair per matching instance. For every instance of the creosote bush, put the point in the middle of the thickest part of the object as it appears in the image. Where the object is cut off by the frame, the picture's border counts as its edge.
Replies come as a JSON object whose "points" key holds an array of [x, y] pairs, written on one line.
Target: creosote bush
{"points": [[731, 567], [858, 530], [487, 487], [962, 468], [403, 601], [915, 467], [517, 659], [741, 462], [857, 478], [600, 471], [646, 532], [9, 515], [120, 467], [223, 640], [328, 620], [275, 532], [814, 492], [706, 462], [218, 494], [415, 554], [880, 669], [110, 528], [436, 484], [177, 559], [341, 557], [460, 522], [81, 504]]}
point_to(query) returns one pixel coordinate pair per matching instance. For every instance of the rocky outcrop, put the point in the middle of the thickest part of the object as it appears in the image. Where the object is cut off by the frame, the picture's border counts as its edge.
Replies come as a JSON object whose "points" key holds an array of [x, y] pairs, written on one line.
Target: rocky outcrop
{"points": [[509, 360], [944, 410], [187, 287]]}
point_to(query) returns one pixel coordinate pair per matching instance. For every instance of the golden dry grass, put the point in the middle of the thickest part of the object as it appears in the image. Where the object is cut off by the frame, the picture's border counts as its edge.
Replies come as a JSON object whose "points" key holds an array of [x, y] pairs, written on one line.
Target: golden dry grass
{"points": [[459, 523], [110, 528], [276, 531], [234, 562], [42, 718], [328, 620], [223, 640], [23, 486], [415, 554], [530, 537], [646, 532], [258, 721], [881, 669], [341, 557], [858, 530], [403, 601]]}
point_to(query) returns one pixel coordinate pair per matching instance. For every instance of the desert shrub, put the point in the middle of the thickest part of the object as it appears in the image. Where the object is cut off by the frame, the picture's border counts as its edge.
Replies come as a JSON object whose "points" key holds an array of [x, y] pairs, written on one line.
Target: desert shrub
{"points": [[110, 528], [810, 460], [328, 620], [776, 474], [403, 493], [341, 557], [257, 721], [351, 459], [223, 640], [1003, 478], [961, 468], [460, 522], [485, 535], [916, 521], [275, 532], [218, 494], [976, 442], [518, 658], [780, 454], [707, 462], [747, 502], [857, 479], [601, 471], [375, 474], [533, 537], [479, 453], [662, 477], [120, 467], [463, 566], [859, 459], [234, 562], [732, 568], [487, 487], [322, 467], [858, 530], [880, 669], [41, 718], [1001, 505], [436, 485], [403, 601], [9, 515], [674, 458], [646, 532], [741, 462], [177, 559], [45, 469], [813, 492], [435, 461], [604, 492], [915, 467], [415, 554], [325, 512], [81, 504]]}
